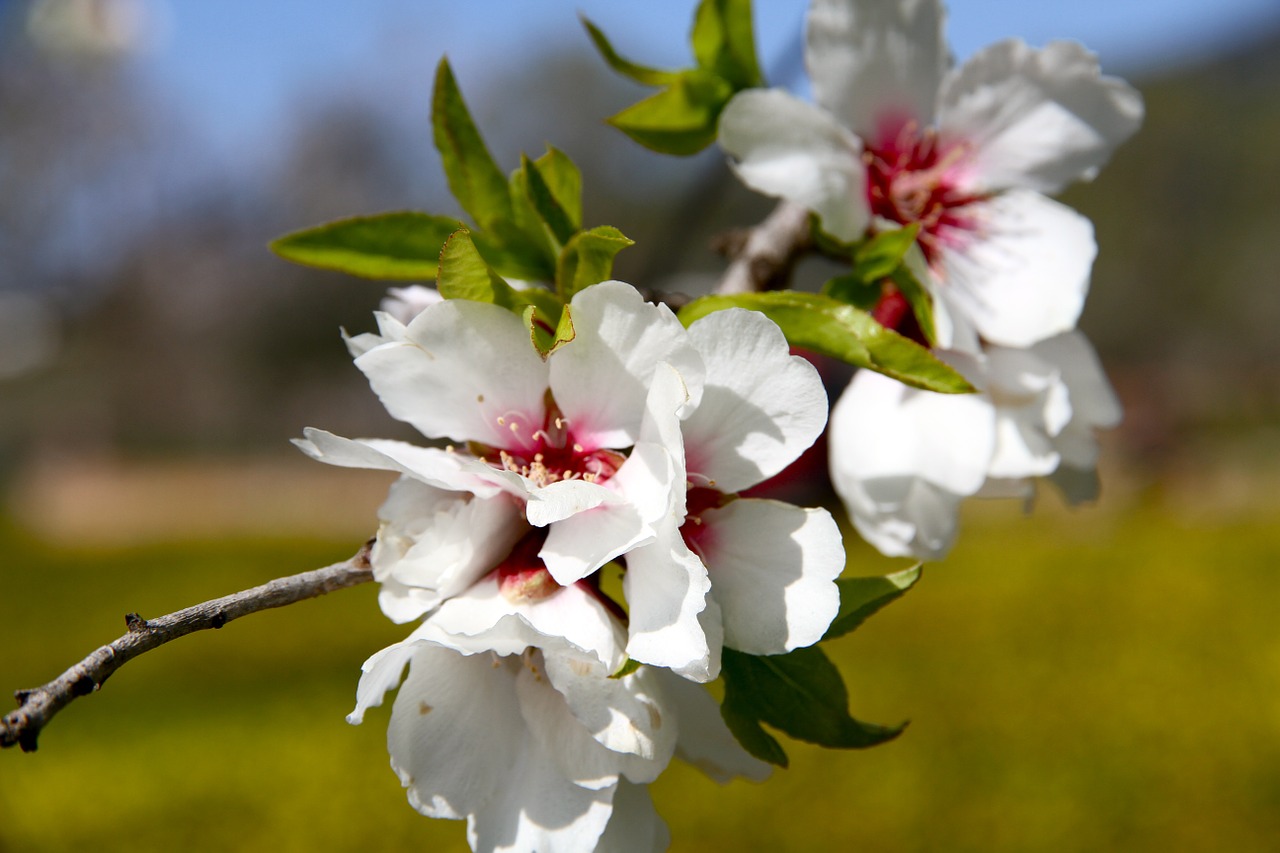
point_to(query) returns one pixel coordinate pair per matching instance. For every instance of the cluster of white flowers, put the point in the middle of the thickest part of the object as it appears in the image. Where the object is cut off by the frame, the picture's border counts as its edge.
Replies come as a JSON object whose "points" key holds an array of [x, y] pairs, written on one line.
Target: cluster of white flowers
{"points": [[897, 138], [579, 555], [523, 710]]}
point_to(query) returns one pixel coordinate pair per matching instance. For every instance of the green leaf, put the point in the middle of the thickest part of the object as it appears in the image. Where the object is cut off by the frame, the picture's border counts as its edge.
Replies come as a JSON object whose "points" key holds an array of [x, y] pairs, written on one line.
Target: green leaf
{"points": [[724, 42], [474, 178], [564, 181], [852, 289], [465, 275], [587, 259], [908, 279], [548, 332], [514, 252], [823, 325], [544, 202], [747, 730], [639, 73], [800, 694], [861, 597], [680, 119], [880, 256], [402, 246]]}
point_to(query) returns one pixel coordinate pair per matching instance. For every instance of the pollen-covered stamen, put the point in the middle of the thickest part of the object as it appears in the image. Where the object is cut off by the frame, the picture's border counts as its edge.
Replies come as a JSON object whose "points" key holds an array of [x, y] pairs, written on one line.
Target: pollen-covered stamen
{"points": [[549, 452], [913, 177]]}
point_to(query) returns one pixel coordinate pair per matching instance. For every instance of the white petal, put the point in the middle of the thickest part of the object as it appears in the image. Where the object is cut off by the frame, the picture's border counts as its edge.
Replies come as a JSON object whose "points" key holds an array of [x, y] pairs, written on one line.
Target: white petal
{"points": [[570, 621], [901, 459], [539, 810], [773, 568], [1023, 275], [705, 741], [433, 544], [455, 729], [463, 366], [1036, 119], [635, 826], [580, 545], [904, 516], [380, 673], [601, 378], [666, 586], [786, 148], [622, 719], [873, 62], [560, 500], [1093, 406], [429, 465], [881, 429], [761, 407], [560, 735]]}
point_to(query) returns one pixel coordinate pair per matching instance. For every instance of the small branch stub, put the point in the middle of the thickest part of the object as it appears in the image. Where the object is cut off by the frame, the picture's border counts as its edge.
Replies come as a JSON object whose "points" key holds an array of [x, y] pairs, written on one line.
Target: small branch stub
{"points": [[36, 707]]}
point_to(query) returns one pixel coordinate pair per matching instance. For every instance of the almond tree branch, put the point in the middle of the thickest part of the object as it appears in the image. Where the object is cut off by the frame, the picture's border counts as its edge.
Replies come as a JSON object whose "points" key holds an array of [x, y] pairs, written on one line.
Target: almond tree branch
{"points": [[37, 707], [761, 258]]}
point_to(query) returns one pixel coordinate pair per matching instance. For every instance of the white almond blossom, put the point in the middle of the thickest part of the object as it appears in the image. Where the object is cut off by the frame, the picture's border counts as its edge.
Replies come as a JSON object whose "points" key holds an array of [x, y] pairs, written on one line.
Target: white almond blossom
{"points": [[509, 718], [903, 459], [768, 567], [582, 456], [899, 137]]}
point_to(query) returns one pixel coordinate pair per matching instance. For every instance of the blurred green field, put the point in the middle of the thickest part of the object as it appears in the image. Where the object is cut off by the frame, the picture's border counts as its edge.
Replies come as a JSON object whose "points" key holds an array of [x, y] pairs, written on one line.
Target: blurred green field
{"points": [[1101, 680]]}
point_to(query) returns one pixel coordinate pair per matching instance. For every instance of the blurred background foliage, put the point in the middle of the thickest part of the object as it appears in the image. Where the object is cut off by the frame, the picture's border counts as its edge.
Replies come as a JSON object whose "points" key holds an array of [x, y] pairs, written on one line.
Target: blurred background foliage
{"points": [[1091, 680]]}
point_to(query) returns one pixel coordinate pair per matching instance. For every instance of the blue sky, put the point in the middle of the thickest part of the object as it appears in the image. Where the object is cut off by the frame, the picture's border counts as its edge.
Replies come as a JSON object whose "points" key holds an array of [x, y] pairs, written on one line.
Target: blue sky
{"points": [[233, 66]]}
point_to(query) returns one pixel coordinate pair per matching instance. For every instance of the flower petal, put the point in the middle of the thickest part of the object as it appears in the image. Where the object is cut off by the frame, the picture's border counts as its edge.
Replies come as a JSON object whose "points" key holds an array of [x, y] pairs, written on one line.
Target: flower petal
{"points": [[872, 61], [704, 740], [1036, 119], [761, 406], [666, 586], [455, 728], [483, 620], [623, 719], [465, 371], [434, 544], [429, 465], [773, 568], [901, 459], [786, 148], [635, 826], [1024, 275], [601, 378]]}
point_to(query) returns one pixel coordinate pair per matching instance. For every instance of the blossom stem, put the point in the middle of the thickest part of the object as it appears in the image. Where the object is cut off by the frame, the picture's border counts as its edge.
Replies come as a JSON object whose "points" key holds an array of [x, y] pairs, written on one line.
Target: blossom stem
{"points": [[762, 258], [38, 706]]}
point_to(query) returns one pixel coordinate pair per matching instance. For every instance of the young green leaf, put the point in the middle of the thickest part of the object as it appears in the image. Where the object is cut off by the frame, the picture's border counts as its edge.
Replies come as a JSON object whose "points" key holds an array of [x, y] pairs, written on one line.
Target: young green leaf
{"points": [[680, 119], [821, 324], [852, 289], [465, 275], [564, 181], [474, 178], [641, 74], [724, 42], [544, 202], [548, 332], [401, 246], [800, 694], [881, 255], [861, 597], [587, 259], [909, 279]]}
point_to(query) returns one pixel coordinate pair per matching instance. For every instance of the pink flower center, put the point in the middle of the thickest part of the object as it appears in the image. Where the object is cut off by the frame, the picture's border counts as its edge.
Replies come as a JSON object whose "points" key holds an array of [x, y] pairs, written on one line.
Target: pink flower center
{"points": [[549, 452], [913, 176]]}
